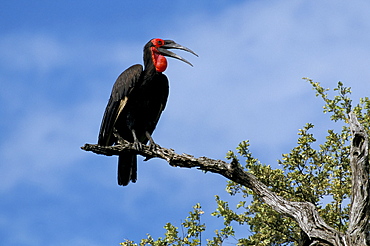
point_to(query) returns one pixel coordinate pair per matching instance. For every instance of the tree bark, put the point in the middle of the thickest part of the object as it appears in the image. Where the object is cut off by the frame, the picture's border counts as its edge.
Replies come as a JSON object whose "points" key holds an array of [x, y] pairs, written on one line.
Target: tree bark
{"points": [[305, 213], [359, 226]]}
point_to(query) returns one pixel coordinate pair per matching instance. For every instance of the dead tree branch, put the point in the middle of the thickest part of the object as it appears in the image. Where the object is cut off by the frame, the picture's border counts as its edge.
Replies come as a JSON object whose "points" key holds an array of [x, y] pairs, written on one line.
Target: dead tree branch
{"points": [[304, 213]]}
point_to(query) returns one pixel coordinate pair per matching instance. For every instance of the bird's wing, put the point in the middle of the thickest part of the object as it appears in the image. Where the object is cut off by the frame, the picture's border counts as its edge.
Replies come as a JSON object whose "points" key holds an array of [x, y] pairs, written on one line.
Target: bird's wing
{"points": [[124, 85]]}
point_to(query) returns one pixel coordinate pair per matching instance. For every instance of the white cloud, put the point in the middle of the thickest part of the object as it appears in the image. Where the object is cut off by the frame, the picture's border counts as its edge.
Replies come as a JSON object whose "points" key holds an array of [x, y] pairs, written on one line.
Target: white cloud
{"points": [[22, 52], [44, 143]]}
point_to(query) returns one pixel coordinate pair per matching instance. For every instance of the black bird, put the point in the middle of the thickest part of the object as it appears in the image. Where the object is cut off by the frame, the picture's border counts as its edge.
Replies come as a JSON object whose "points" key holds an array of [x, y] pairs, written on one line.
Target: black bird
{"points": [[137, 100]]}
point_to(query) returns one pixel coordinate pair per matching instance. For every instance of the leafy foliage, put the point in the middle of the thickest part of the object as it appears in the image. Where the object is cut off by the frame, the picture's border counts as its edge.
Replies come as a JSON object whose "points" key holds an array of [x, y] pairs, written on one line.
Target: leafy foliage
{"points": [[191, 237], [317, 173]]}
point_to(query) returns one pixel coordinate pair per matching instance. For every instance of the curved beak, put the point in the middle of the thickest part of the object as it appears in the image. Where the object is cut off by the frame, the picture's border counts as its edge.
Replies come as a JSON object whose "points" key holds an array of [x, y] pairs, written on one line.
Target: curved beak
{"points": [[169, 44]]}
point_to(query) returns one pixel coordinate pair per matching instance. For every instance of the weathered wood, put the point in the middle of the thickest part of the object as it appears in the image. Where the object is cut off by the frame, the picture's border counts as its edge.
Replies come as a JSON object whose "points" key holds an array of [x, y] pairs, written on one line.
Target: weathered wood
{"points": [[305, 213], [358, 227]]}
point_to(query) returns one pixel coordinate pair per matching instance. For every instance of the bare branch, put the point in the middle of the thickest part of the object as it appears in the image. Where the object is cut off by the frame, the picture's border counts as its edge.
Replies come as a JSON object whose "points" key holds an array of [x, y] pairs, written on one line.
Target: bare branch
{"points": [[303, 212]]}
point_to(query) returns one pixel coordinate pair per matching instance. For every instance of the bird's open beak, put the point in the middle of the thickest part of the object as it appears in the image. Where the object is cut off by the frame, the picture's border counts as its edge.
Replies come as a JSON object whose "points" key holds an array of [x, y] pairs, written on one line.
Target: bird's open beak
{"points": [[169, 44]]}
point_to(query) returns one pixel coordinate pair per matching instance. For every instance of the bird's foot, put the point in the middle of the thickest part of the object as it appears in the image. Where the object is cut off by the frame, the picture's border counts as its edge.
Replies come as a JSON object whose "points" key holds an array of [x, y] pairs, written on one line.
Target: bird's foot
{"points": [[153, 146], [138, 146]]}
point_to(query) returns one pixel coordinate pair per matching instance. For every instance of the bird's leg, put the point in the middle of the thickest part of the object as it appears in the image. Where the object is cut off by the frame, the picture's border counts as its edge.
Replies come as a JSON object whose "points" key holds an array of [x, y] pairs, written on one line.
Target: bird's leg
{"points": [[152, 144], [138, 146], [119, 140]]}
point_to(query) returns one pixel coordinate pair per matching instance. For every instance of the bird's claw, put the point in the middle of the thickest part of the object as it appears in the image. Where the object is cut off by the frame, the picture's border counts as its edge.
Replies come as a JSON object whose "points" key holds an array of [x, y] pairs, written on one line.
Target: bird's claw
{"points": [[138, 146], [153, 146]]}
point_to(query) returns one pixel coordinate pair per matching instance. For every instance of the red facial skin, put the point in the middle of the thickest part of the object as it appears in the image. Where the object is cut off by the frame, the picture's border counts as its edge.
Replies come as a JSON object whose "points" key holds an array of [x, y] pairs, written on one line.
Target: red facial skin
{"points": [[159, 61]]}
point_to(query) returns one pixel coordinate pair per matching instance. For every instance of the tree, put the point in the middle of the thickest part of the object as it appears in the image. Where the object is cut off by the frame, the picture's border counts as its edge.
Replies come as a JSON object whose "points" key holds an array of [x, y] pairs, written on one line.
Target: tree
{"points": [[320, 196]]}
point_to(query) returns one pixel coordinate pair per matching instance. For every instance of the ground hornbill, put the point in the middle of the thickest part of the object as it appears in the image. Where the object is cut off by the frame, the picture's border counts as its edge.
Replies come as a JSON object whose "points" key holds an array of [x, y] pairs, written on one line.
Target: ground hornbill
{"points": [[137, 100]]}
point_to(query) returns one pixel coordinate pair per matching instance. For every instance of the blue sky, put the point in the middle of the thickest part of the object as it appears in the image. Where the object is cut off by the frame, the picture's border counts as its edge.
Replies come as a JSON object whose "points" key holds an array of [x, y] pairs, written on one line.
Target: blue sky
{"points": [[59, 60]]}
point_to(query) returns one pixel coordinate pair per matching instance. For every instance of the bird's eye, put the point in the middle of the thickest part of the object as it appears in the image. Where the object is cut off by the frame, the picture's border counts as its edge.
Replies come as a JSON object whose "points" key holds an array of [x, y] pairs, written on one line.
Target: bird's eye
{"points": [[157, 42]]}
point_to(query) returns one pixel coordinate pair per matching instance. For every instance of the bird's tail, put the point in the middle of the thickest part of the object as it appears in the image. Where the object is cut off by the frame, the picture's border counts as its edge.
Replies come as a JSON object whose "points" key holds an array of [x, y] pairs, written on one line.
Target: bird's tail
{"points": [[127, 169]]}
